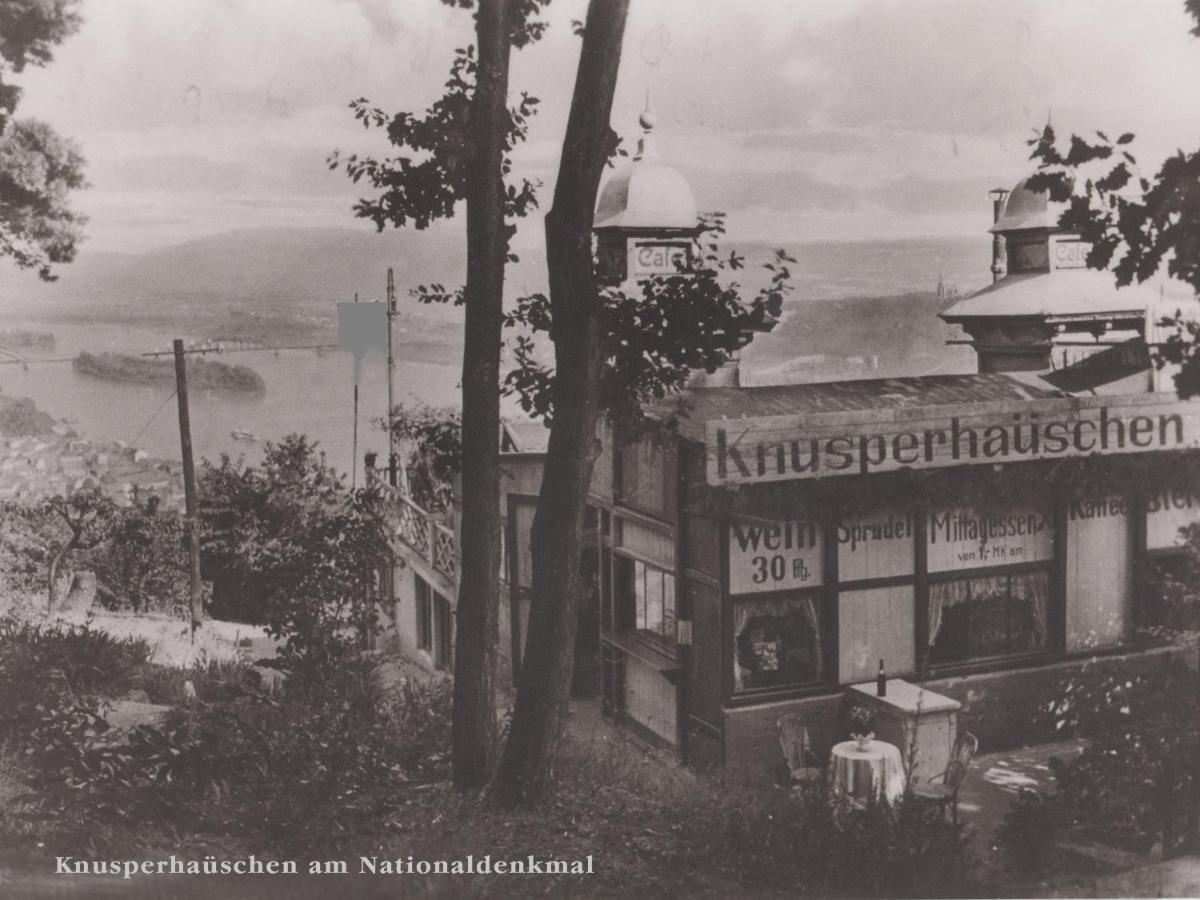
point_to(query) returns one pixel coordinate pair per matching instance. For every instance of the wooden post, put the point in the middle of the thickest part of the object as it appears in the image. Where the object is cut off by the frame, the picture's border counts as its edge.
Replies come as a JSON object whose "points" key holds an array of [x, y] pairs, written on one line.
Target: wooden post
{"points": [[191, 528], [391, 376]]}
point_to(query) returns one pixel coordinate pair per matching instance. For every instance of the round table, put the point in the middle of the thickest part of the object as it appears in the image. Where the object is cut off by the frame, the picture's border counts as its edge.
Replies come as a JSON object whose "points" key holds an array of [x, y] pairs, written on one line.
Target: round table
{"points": [[858, 775]]}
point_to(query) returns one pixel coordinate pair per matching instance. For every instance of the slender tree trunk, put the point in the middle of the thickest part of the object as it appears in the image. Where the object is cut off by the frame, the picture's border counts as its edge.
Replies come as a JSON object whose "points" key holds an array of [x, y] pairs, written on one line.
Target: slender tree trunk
{"points": [[55, 562], [473, 728], [545, 679]]}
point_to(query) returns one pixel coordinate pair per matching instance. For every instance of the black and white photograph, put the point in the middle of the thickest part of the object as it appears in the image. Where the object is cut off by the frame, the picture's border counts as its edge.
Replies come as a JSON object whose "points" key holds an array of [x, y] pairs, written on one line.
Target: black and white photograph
{"points": [[599, 448]]}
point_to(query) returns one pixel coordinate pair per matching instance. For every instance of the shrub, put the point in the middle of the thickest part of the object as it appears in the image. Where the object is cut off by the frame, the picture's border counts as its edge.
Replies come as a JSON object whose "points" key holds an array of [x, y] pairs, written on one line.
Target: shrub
{"points": [[814, 848], [1139, 777], [40, 662], [1030, 829]]}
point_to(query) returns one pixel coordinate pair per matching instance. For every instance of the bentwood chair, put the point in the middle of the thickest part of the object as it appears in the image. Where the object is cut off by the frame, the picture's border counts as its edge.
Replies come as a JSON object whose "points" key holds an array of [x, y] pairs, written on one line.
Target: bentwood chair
{"points": [[943, 789], [797, 750]]}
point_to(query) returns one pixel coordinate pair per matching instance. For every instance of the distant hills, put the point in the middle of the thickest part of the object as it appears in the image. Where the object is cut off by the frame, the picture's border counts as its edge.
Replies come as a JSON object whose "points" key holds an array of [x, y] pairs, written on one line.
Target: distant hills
{"points": [[855, 299]]}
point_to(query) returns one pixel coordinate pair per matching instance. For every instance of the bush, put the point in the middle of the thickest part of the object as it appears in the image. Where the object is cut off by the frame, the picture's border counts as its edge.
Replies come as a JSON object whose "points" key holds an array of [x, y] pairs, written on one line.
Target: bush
{"points": [[811, 847], [1139, 777], [1031, 828], [42, 662]]}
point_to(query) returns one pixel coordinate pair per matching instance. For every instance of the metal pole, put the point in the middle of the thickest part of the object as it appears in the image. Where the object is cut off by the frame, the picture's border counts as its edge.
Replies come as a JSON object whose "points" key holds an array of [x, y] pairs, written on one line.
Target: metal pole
{"points": [[191, 526], [391, 366], [354, 440]]}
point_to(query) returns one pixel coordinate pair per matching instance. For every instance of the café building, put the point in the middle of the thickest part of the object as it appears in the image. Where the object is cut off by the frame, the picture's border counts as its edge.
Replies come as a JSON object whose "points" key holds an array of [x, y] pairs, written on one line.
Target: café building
{"points": [[985, 535]]}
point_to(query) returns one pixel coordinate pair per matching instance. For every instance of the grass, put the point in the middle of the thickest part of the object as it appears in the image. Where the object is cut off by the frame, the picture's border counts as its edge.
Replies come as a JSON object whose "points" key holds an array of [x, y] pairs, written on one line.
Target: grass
{"points": [[346, 766]]}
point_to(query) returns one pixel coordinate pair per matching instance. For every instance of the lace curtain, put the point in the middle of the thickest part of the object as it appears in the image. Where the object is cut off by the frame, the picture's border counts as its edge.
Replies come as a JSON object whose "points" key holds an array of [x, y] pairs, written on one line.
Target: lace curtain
{"points": [[746, 610], [1034, 588]]}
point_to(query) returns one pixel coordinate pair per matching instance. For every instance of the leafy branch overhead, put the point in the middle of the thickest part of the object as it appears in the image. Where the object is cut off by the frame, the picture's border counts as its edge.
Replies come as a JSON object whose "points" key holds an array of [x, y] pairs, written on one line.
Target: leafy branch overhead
{"points": [[680, 324], [1134, 223], [423, 183], [38, 168]]}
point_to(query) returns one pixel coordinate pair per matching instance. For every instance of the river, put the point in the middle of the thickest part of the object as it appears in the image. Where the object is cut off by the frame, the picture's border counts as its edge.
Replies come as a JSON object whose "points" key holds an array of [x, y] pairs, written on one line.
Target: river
{"points": [[311, 392]]}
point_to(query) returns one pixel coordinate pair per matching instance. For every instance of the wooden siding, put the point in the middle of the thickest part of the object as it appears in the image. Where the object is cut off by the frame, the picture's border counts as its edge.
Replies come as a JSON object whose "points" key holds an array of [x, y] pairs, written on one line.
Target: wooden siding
{"points": [[650, 699], [1099, 582], [875, 624], [650, 544]]}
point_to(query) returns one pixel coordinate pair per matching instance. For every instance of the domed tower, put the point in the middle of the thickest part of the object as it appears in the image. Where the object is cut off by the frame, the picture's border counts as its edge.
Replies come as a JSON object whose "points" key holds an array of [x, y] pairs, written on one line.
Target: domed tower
{"points": [[646, 216], [1049, 310]]}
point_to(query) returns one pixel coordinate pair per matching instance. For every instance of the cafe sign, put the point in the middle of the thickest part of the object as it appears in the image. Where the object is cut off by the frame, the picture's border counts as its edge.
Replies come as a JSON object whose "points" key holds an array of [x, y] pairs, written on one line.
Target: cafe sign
{"points": [[650, 258], [774, 556], [822, 445]]}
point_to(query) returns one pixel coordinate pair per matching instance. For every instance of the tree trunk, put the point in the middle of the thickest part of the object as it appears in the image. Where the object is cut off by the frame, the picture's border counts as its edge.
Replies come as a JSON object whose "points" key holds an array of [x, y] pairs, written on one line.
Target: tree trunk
{"points": [[473, 728], [55, 562], [545, 678]]}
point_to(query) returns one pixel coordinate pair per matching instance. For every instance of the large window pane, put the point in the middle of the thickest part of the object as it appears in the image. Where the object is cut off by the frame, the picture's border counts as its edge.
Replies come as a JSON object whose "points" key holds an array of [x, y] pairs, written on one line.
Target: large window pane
{"points": [[777, 643], [976, 618], [875, 624], [654, 601]]}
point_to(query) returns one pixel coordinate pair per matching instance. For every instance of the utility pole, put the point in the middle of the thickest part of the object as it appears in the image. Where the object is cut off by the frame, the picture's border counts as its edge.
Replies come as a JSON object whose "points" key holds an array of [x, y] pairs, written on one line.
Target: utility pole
{"points": [[354, 439], [391, 375], [191, 526]]}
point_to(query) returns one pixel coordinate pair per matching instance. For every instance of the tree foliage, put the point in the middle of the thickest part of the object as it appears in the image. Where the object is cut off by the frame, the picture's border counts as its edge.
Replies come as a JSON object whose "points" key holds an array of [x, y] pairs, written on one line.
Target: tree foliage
{"points": [[287, 546], [83, 521], [38, 168], [432, 438], [1134, 222], [680, 324], [144, 563]]}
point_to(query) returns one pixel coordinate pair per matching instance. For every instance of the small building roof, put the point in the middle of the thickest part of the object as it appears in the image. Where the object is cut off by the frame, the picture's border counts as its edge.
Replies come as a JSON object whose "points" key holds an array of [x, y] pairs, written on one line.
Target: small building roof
{"points": [[647, 193], [1026, 209], [1062, 294], [694, 408], [524, 437]]}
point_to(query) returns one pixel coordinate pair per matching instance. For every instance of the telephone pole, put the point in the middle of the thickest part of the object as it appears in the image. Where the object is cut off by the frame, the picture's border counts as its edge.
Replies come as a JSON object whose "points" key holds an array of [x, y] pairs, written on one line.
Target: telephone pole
{"points": [[391, 375], [354, 438], [191, 526]]}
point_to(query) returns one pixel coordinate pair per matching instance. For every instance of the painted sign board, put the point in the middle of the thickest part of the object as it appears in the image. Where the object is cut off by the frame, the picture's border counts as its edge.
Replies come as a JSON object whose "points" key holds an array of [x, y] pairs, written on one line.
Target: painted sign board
{"points": [[876, 544], [964, 538], [861, 442], [774, 556], [649, 258], [1071, 254], [1167, 511]]}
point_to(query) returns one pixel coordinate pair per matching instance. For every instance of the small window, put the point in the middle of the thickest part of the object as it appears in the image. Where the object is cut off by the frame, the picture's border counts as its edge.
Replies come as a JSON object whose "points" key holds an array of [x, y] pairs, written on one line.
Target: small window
{"points": [[424, 614], [777, 643], [648, 597]]}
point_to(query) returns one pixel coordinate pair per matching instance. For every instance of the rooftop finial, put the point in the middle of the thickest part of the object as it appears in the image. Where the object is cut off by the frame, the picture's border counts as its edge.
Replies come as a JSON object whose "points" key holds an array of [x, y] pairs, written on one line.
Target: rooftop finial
{"points": [[648, 119], [646, 144]]}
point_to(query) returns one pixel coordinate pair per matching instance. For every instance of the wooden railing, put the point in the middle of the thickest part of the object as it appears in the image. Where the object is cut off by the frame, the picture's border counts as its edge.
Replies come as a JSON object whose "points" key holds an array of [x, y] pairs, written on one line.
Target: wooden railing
{"points": [[419, 530]]}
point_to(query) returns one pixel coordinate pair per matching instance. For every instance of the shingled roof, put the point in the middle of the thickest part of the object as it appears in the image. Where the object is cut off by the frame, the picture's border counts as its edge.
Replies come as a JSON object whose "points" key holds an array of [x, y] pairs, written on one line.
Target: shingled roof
{"points": [[693, 408]]}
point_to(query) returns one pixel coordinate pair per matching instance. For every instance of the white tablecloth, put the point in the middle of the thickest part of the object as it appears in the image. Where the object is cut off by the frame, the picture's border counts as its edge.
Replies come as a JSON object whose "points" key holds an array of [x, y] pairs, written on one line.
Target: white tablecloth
{"points": [[859, 774]]}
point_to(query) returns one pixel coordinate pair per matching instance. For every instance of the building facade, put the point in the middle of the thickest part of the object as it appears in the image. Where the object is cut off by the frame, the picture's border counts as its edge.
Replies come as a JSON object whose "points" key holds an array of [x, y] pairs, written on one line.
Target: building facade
{"points": [[985, 535]]}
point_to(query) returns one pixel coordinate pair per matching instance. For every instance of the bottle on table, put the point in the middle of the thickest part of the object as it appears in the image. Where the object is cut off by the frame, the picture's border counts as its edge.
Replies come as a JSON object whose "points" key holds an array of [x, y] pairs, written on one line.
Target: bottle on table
{"points": [[881, 682]]}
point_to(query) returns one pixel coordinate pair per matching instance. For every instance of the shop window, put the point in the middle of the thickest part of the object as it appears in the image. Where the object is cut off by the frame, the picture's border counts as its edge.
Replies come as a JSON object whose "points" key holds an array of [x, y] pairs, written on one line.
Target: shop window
{"points": [[978, 618], [777, 643], [647, 596]]}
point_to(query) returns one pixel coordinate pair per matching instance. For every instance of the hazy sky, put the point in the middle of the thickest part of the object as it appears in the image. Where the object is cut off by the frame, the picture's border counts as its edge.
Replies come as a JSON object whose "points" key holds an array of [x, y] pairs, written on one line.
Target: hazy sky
{"points": [[802, 119]]}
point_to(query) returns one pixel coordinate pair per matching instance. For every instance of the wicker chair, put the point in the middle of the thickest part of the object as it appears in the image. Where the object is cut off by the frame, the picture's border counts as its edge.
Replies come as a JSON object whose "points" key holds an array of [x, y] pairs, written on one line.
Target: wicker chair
{"points": [[797, 750], [945, 792]]}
